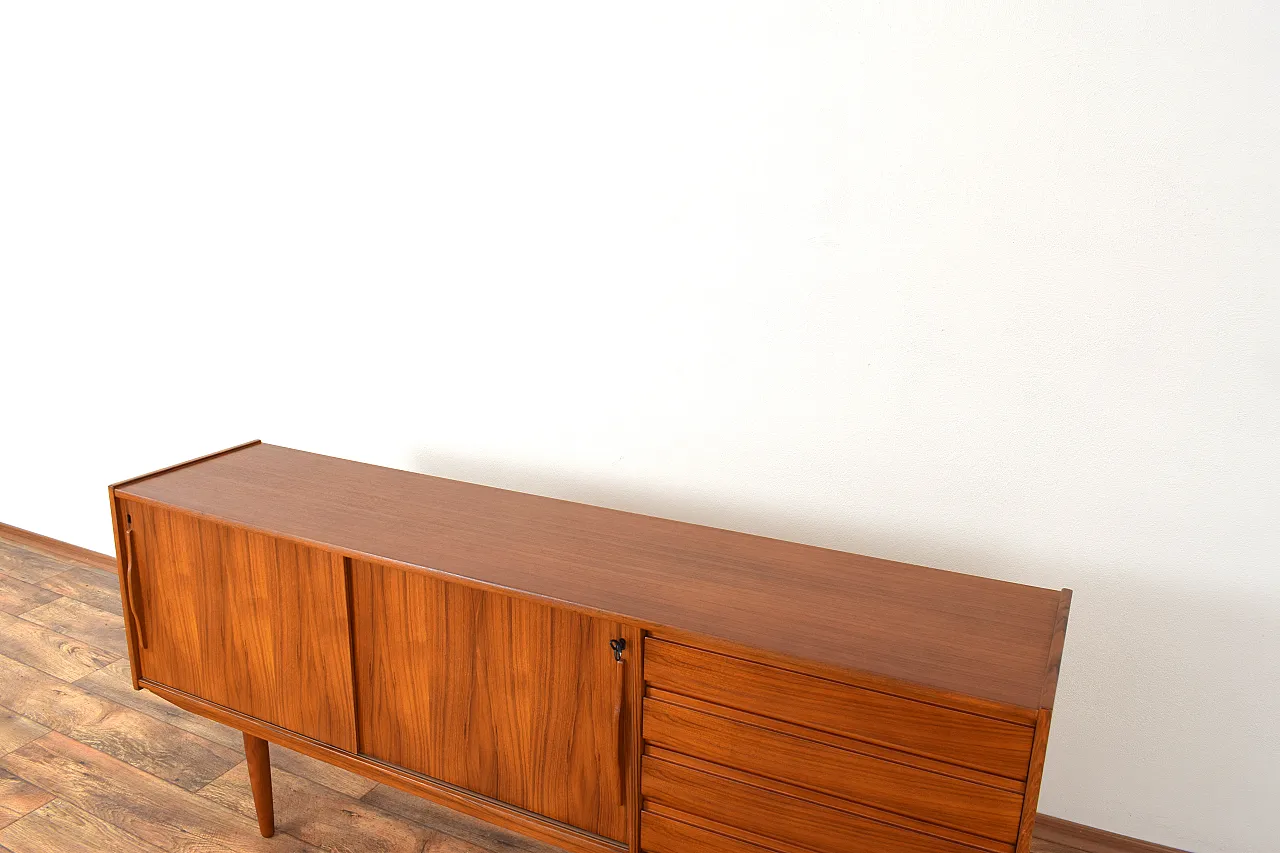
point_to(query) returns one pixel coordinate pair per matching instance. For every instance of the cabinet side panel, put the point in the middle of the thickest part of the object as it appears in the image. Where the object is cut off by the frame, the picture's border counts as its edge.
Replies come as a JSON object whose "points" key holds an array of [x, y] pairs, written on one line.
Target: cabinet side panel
{"points": [[1034, 774], [506, 697]]}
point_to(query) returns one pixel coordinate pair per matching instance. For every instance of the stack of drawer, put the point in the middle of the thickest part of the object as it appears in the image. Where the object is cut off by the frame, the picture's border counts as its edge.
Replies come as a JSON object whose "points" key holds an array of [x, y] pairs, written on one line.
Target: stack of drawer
{"points": [[743, 757]]}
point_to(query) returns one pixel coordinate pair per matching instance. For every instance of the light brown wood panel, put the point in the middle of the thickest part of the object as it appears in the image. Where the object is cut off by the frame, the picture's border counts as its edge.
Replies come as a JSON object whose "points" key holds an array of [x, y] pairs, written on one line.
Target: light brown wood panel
{"points": [[932, 731], [660, 834], [247, 621], [809, 764], [512, 699], [773, 815]]}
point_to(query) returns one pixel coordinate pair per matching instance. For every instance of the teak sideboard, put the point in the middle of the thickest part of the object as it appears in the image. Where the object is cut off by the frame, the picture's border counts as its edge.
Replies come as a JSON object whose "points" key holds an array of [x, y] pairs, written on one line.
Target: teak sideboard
{"points": [[596, 679]]}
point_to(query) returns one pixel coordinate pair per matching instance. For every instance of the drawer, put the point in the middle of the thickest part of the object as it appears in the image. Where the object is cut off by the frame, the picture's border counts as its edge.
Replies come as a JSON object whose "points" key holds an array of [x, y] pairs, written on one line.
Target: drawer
{"points": [[883, 784], [932, 731], [660, 834], [779, 817]]}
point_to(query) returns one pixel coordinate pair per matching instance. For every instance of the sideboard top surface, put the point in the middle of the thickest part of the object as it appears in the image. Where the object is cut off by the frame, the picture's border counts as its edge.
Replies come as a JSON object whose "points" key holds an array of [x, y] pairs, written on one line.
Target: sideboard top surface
{"points": [[948, 631]]}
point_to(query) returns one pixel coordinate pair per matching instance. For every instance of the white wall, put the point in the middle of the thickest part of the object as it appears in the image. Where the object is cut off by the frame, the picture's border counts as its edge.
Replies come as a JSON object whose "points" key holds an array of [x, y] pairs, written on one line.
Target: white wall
{"points": [[986, 286]]}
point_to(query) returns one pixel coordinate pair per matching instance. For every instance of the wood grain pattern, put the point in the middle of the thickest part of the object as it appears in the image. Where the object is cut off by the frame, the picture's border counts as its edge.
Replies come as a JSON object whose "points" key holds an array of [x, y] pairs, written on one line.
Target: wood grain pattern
{"points": [[249, 622], [158, 813], [48, 651], [506, 697], [321, 817], [1034, 774], [60, 827], [18, 596], [953, 632], [76, 619], [1056, 646], [476, 834], [62, 552], [26, 564], [947, 735], [808, 764], [18, 798], [773, 815], [257, 755], [91, 586], [16, 731], [666, 835], [135, 738]]}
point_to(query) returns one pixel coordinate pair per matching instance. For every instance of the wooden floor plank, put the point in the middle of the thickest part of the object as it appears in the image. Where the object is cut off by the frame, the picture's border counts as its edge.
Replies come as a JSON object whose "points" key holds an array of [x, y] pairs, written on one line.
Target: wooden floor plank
{"points": [[171, 754], [51, 652], [115, 683], [321, 816], [60, 827], [159, 813], [484, 836], [18, 596], [92, 586], [18, 798], [64, 552], [16, 730], [28, 565], [77, 619]]}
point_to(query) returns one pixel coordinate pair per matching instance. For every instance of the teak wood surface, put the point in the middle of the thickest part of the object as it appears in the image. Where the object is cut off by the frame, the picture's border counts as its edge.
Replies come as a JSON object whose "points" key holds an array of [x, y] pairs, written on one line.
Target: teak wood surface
{"points": [[244, 620], [960, 634], [510, 698]]}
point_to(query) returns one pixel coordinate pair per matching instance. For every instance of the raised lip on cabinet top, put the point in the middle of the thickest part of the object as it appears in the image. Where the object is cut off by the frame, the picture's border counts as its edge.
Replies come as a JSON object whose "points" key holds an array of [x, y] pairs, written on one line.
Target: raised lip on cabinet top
{"points": [[962, 635]]}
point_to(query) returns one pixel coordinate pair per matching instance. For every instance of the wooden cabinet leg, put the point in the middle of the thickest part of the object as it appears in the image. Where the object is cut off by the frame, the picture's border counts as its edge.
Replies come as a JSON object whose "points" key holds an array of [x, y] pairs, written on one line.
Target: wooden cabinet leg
{"points": [[257, 754]]}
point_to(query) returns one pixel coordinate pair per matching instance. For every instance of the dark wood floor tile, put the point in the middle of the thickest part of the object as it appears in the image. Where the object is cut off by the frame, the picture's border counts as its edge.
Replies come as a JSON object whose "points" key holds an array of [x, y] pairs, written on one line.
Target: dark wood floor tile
{"points": [[84, 622], [321, 816], [49, 651], [95, 588], [155, 811], [60, 827], [18, 596], [133, 737]]}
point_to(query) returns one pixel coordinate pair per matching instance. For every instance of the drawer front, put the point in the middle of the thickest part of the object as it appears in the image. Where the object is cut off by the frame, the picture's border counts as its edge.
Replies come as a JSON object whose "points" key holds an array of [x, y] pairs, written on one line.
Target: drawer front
{"points": [[956, 737], [883, 784], [773, 815], [659, 834]]}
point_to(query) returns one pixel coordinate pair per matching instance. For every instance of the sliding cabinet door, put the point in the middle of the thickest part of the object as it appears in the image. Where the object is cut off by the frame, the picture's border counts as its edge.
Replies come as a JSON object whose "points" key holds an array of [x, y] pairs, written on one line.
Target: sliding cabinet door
{"points": [[248, 621], [510, 698]]}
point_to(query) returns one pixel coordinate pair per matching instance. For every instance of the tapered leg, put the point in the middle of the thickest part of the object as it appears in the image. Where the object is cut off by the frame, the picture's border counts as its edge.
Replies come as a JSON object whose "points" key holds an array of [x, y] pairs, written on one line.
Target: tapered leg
{"points": [[258, 756]]}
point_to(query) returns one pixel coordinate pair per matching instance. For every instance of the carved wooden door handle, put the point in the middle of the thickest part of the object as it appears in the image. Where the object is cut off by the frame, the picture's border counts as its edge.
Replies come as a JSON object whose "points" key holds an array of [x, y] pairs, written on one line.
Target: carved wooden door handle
{"points": [[135, 613]]}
